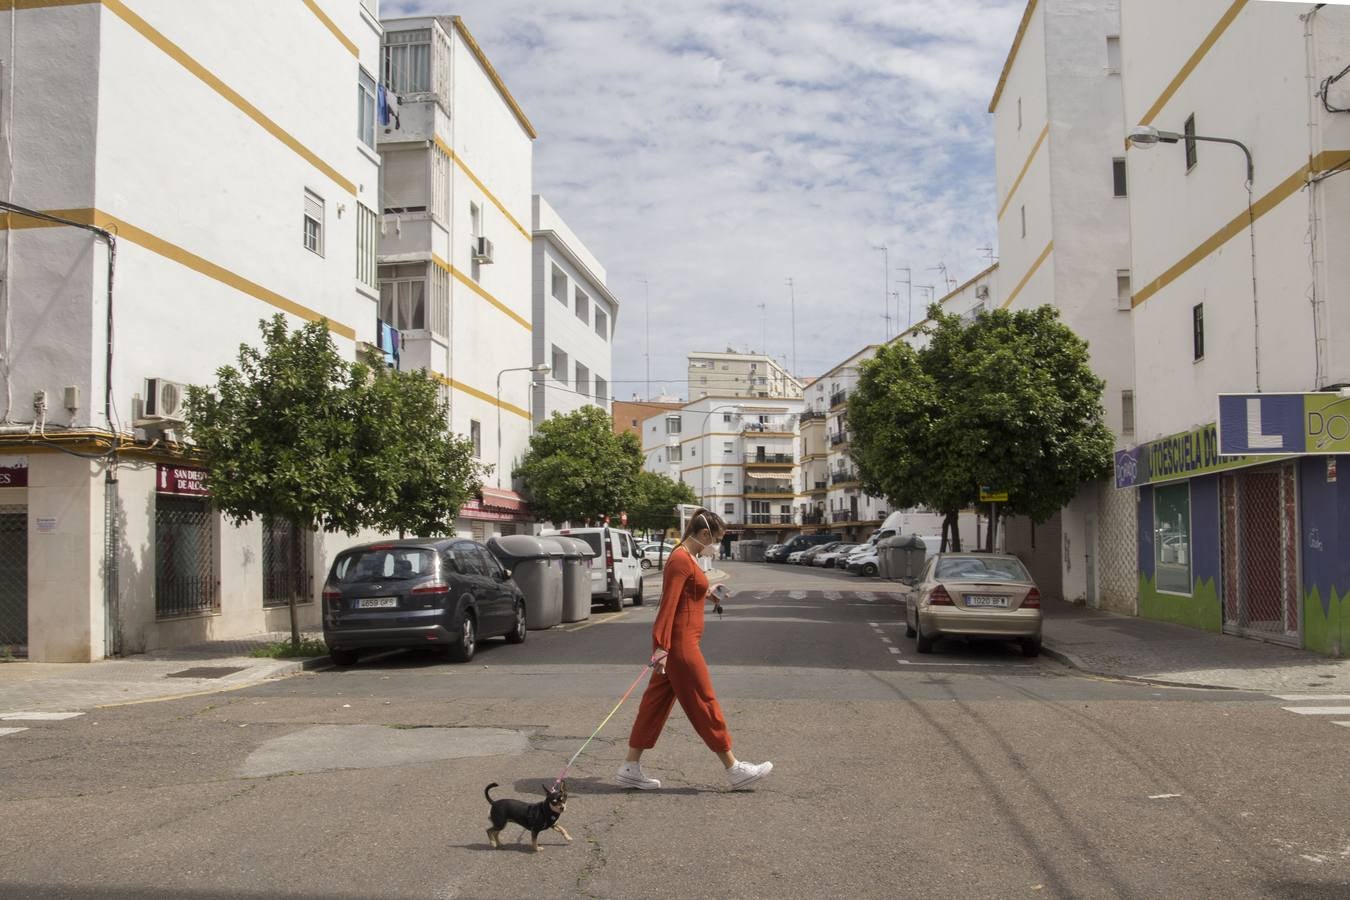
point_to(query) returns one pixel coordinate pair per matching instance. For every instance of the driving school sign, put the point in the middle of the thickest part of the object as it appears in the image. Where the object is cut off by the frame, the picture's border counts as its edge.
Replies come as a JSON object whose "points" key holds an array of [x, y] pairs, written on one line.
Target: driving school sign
{"points": [[1284, 424], [1182, 455]]}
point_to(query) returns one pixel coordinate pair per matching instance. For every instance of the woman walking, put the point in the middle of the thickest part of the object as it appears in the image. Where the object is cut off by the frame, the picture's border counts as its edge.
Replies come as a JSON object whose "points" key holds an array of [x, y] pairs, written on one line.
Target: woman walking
{"points": [[679, 670]]}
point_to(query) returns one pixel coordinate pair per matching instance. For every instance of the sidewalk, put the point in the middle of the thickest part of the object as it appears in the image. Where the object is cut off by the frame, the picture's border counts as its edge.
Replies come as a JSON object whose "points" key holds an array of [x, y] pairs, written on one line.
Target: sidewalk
{"points": [[158, 675], [1118, 646]]}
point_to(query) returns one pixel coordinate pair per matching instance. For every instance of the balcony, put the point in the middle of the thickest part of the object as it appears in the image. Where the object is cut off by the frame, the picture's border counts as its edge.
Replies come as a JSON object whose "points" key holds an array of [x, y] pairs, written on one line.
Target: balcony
{"points": [[843, 476], [781, 489], [811, 415], [838, 398], [777, 426], [813, 518], [769, 459], [838, 437], [841, 515], [819, 487], [769, 519]]}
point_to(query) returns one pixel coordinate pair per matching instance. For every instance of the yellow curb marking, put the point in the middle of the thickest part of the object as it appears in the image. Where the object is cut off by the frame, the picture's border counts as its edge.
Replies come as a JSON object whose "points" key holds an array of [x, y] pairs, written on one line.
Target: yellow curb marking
{"points": [[599, 621]]}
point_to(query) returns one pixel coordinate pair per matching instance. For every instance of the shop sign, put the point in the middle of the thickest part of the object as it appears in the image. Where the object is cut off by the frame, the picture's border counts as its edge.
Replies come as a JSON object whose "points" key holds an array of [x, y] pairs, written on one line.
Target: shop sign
{"points": [[182, 480], [13, 471], [989, 495], [1182, 455], [1284, 424]]}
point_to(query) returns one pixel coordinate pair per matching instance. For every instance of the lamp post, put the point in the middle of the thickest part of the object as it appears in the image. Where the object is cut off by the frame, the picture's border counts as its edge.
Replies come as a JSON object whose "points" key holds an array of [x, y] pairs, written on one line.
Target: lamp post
{"points": [[539, 369], [1146, 137]]}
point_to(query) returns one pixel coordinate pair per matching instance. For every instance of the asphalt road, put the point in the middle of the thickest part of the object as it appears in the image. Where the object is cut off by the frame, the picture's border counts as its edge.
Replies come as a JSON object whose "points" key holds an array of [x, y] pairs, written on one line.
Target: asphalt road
{"points": [[969, 773]]}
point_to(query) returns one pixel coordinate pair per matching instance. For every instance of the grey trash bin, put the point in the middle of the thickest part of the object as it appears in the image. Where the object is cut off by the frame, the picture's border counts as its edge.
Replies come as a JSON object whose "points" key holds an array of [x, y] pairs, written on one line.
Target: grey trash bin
{"points": [[901, 558], [536, 566], [577, 556], [753, 551]]}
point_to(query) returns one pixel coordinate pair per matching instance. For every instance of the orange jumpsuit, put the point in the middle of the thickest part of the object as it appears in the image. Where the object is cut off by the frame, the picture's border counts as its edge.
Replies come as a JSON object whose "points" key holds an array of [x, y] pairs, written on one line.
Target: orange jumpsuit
{"points": [[678, 627]]}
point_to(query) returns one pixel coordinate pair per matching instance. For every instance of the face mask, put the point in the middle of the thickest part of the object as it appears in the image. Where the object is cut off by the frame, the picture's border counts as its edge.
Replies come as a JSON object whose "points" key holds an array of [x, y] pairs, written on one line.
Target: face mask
{"points": [[709, 551]]}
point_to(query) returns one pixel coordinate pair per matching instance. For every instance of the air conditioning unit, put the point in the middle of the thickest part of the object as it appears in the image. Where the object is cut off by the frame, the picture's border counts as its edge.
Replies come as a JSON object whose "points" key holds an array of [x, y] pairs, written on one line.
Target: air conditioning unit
{"points": [[482, 250], [981, 292], [164, 400]]}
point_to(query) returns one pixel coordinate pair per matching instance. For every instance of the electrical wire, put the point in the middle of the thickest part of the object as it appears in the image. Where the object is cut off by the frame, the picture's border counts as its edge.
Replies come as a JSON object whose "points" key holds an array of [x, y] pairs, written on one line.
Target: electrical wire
{"points": [[1324, 90]]}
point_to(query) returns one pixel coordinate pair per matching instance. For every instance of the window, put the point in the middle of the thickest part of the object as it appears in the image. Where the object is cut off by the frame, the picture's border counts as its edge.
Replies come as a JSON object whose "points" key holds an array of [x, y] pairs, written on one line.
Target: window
{"points": [[476, 437], [365, 108], [285, 563], [601, 323], [601, 391], [1172, 537], [583, 306], [1198, 331], [407, 61], [185, 581], [726, 418], [583, 385], [1127, 412], [475, 221], [1024, 221], [726, 478], [673, 424], [366, 245], [1113, 54], [728, 509], [442, 188], [1189, 131], [1124, 292], [403, 296], [559, 365], [559, 286], [728, 447], [677, 454], [1118, 176], [440, 301], [313, 222]]}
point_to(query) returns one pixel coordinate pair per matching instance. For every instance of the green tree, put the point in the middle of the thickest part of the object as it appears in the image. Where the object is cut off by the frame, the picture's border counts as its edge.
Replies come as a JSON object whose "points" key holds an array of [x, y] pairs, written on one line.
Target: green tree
{"points": [[655, 499], [577, 469], [1008, 401]]}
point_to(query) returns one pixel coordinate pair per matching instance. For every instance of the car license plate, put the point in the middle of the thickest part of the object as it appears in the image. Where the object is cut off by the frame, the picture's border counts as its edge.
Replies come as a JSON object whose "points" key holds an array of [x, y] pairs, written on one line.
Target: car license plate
{"points": [[377, 603], [986, 600]]}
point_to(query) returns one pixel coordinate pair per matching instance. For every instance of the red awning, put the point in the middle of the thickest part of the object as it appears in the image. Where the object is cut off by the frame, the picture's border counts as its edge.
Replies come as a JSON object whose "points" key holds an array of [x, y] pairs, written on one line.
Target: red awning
{"points": [[496, 504]]}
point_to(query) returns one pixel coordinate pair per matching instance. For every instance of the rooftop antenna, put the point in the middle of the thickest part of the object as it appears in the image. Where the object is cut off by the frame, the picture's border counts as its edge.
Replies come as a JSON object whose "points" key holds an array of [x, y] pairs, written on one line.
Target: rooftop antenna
{"points": [[948, 282], [987, 253], [909, 294], [886, 269], [792, 299], [647, 301], [764, 327]]}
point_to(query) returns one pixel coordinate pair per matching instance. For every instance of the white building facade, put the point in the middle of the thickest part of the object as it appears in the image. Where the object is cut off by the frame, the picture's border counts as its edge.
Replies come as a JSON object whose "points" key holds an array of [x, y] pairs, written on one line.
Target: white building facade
{"points": [[455, 255], [733, 374], [574, 318], [252, 201]]}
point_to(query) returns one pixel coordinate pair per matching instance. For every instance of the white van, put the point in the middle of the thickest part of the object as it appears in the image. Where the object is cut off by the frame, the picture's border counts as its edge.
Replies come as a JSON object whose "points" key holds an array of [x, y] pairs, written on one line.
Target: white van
{"points": [[616, 572]]}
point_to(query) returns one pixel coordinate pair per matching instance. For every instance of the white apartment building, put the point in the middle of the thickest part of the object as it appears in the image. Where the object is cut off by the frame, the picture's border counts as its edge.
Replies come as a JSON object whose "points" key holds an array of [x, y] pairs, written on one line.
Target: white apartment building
{"points": [[1229, 298], [574, 318], [456, 256], [738, 454], [733, 374], [1064, 240], [234, 169]]}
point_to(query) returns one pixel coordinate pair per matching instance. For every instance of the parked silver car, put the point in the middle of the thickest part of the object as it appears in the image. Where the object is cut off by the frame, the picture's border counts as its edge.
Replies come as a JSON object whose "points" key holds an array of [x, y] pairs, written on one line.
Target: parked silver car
{"points": [[975, 595]]}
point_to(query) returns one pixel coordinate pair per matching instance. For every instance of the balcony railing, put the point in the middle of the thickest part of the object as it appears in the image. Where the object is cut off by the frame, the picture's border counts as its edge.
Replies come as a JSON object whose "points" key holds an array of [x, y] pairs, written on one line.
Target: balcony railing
{"points": [[811, 415], [841, 515], [819, 486], [780, 426], [769, 488], [769, 519], [769, 459], [838, 437], [813, 518], [841, 477], [837, 398]]}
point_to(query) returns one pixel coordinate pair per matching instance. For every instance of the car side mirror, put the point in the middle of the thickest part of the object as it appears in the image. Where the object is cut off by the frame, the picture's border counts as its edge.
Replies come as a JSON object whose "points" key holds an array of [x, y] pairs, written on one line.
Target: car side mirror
{"points": [[503, 574]]}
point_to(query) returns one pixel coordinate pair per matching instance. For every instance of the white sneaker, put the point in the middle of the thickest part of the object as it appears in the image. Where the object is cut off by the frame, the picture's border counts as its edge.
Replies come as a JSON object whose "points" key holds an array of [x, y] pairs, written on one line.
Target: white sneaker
{"points": [[630, 775], [744, 774]]}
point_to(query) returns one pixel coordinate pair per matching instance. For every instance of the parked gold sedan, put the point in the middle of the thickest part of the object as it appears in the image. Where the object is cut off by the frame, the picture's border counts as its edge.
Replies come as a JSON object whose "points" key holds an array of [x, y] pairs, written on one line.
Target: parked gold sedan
{"points": [[975, 595]]}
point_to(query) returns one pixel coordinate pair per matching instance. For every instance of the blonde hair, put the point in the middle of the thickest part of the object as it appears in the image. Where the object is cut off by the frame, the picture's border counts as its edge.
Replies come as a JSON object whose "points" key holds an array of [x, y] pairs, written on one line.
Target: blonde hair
{"points": [[704, 519]]}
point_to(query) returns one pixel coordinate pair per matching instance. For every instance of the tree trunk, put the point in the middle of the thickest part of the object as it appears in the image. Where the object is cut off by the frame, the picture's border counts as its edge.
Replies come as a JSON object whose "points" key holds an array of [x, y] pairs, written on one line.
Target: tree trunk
{"points": [[295, 622], [951, 532], [993, 527]]}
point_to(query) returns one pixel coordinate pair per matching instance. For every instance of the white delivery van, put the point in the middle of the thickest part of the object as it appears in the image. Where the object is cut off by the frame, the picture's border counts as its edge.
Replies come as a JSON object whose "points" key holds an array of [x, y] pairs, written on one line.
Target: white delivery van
{"points": [[616, 571]]}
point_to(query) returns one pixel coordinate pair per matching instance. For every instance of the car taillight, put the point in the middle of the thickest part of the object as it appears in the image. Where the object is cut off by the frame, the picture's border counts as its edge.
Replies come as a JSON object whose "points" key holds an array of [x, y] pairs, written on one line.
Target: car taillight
{"points": [[1032, 600], [940, 597], [436, 588], [331, 593], [609, 560]]}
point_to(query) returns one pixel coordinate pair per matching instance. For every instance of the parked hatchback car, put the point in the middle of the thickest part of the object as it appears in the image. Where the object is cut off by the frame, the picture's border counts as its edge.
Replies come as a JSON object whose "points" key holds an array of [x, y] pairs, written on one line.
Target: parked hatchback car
{"points": [[808, 556], [447, 594], [798, 543], [828, 559], [863, 561], [652, 555], [975, 595]]}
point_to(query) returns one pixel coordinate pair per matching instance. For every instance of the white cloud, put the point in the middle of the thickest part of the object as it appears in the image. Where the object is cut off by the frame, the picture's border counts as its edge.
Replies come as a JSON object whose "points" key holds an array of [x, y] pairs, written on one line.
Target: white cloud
{"points": [[717, 148]]}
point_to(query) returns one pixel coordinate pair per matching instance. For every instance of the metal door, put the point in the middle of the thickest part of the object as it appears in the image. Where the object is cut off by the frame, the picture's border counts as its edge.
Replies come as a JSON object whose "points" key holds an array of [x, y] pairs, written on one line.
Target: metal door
{"points": [[14, 580], [1259, 516]]}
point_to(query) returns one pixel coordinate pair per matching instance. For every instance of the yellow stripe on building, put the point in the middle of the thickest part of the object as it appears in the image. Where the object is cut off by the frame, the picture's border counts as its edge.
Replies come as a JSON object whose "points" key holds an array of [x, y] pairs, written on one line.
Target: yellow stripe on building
{"points": [[125, 231], [1027, 277], [1012, 192], [477, 289], [481, 395], [332, 26], [1210, 40], [445, 148]]}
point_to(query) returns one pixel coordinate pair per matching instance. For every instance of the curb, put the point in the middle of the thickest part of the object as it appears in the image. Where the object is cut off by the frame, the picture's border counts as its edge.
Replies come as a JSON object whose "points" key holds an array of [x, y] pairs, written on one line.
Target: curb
{"points": [[1076, 663], [291, 668]]}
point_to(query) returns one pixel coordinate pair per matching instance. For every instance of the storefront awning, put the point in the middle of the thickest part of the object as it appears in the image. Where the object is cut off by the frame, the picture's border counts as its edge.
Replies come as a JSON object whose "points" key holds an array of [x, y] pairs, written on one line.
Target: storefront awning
{"points": [[497, 505], [771, 476]]}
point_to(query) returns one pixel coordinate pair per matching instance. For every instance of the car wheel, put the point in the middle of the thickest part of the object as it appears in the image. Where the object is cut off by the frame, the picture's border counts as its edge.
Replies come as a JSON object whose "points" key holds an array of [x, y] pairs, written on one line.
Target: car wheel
{"points": [[910, 631], [869, 570], [646, 563], [637, 598], [517, 634], [463, 649], [1031, 647], [343, 657], [921, 643], [615, 603]]}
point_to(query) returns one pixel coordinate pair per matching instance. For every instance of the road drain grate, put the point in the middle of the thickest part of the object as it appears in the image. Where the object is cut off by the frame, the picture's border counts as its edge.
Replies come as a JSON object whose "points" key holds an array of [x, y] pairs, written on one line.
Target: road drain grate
{"points": [[206, 672]]}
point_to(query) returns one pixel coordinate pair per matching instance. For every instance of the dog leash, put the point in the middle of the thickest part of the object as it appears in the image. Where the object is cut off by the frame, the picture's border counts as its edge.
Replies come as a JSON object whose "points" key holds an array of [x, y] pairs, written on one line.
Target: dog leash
{"points": [[603, 722]]}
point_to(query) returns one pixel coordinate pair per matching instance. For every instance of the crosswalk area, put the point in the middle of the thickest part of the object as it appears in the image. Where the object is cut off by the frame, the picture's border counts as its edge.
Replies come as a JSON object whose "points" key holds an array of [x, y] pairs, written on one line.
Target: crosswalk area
{"points": [[8, 729], [1335, 707]]}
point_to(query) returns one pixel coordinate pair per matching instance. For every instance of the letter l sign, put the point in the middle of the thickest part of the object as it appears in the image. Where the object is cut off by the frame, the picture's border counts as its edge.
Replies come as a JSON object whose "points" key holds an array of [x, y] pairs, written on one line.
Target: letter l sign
{"points": [[1256, 439]]}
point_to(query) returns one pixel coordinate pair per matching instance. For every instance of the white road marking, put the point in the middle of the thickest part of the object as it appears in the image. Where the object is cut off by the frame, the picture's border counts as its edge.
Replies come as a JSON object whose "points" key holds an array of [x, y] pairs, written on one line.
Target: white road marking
{"points": [[1162, 796], [832, 595], [1304, 698], [797, 595], [885, 640], [5, 731], [893, 649], [873, 624], [1342, 724], [1319, 710], [866, 595], [39, 716], [910, 662]]}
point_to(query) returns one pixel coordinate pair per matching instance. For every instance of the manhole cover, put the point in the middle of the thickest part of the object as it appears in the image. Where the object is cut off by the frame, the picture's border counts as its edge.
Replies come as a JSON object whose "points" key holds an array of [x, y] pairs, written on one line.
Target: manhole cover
{"points": [[206, 672]]}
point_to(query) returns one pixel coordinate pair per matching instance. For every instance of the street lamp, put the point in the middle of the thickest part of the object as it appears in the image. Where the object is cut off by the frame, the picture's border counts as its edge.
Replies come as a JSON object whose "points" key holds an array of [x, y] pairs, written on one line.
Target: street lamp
{"points": [[538, 370], [1146, 137]]}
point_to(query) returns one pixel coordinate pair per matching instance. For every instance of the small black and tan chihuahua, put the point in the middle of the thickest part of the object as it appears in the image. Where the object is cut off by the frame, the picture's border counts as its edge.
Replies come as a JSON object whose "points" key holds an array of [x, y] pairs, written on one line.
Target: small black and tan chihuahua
{"points": [[534, 817]]}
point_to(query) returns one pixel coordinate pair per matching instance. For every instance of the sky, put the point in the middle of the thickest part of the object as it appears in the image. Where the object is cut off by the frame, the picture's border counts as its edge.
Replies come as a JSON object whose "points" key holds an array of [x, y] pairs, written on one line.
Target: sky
{"points": [[717, 148]]}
